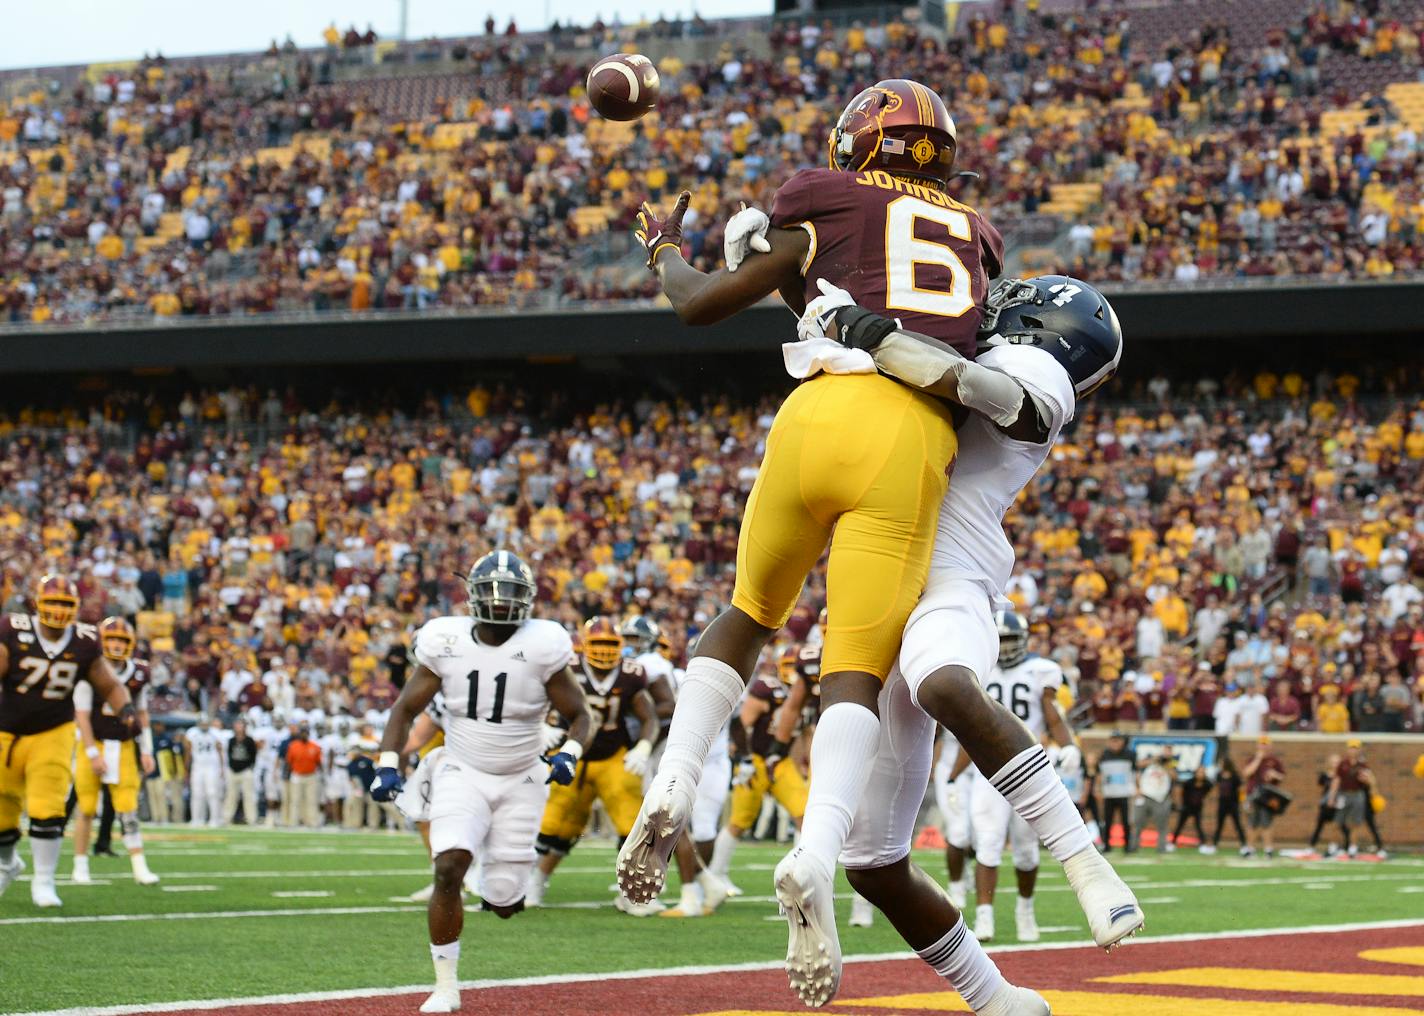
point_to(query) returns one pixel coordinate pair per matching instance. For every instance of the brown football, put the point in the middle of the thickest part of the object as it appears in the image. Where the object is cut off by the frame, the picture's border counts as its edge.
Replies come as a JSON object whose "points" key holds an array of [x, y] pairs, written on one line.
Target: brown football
{"points": [[623, 86]]}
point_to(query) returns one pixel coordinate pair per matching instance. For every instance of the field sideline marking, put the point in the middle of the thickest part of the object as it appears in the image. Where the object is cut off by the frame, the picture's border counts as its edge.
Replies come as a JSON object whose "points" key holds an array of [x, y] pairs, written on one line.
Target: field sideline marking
{"points": [[688, 971], [566, 905], [1295, 878]]}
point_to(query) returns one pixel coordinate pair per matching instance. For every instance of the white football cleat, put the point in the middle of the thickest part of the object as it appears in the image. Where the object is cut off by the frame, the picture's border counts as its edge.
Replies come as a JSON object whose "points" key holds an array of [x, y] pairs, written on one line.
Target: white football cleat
{"points": [[984, 922], [733, 891], [1111, 907], [691, 903], [141, 872], [11, 872], [714, 891], [442, 1000], [534, 891], [1025, 920], [862, 914], [42, 893], [632, 909], [813, 952], [1014, 1001], [643, 861], [423, 895], [80, 875]]}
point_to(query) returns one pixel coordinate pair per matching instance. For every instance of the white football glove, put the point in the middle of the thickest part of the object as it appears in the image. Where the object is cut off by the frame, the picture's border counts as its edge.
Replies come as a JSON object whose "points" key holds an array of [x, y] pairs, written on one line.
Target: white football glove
{"points": [[820, 312], [551, 737], [636, 761], [1070, 759], [746, 232], [744, 771]]}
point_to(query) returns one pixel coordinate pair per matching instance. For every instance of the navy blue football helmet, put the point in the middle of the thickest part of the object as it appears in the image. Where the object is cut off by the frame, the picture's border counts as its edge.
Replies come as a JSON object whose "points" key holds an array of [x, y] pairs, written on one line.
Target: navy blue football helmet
{"points": [[501, 589], [1065, 317], [1013, 638], [640, 634]]}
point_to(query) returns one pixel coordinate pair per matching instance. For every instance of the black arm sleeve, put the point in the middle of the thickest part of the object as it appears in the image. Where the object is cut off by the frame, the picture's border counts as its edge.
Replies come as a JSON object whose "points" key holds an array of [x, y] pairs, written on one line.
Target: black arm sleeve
{"points": [[858, 328]]}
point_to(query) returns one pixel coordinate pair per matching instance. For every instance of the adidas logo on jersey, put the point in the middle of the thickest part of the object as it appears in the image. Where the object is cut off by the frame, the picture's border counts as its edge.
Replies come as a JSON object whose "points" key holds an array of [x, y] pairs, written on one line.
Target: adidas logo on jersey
{"points": [[519, 655]]}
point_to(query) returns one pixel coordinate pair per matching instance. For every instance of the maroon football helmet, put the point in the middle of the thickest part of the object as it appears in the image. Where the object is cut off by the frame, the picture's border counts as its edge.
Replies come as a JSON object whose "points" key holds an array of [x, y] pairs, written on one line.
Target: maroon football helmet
{"points": [[896, 125]]}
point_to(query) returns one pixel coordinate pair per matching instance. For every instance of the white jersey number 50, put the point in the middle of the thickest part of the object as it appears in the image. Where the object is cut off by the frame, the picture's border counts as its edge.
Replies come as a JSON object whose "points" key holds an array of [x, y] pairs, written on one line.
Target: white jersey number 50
{"points": [[904, 250]]}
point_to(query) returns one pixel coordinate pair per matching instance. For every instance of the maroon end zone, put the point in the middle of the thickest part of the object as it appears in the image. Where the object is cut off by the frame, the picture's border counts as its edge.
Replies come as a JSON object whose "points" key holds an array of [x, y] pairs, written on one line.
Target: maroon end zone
{"points": [[1048, 969]]}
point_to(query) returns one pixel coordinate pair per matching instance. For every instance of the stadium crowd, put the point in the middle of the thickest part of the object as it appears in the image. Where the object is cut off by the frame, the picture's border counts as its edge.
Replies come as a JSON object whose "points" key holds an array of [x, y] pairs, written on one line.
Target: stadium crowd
{"points": [[182, 188], [1237, 560]]}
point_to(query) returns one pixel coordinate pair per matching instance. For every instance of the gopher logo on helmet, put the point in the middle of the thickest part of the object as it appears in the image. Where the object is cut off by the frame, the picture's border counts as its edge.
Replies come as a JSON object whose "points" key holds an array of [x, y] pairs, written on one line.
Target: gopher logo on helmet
{"points": [[890, 104], [923, 151]]}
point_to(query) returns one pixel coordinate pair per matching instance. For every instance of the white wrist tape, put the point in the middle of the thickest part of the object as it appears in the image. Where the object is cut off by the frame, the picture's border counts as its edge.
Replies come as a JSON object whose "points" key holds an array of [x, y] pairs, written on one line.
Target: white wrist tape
{"points": [[571, 748], [92, 751], [388, 760], [145, 740], [991, 392]]}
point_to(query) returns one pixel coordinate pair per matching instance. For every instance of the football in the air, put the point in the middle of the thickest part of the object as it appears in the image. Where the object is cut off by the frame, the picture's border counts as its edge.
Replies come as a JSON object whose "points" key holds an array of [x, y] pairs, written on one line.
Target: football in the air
{"points": [[623, 86]]}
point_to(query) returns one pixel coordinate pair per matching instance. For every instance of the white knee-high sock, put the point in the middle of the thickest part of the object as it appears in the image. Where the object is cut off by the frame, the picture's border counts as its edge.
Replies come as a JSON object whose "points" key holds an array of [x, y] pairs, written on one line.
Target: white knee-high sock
{"points": [[1031, 784], [447, 963], [961, 960], [46, 857], [704, 705], [842, 756], [722, 849]]}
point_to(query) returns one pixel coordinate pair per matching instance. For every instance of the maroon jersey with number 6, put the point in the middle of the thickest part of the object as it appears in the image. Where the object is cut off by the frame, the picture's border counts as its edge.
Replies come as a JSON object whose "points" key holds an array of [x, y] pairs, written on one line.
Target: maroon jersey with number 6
{"points": [[37, 690], [612, 707], [901, 248]]}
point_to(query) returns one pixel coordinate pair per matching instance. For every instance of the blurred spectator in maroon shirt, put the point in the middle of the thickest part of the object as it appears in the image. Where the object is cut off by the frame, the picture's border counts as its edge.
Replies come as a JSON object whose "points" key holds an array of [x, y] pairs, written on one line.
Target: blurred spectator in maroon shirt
{"points": [[1285, 709]]}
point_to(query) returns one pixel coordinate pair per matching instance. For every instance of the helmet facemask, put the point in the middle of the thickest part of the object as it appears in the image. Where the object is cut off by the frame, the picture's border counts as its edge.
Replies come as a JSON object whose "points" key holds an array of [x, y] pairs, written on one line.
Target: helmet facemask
{"points": [[504, 599]]}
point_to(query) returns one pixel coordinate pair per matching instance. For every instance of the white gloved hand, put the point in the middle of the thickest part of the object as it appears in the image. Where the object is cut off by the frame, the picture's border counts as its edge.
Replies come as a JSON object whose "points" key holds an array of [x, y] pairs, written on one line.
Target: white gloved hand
{"points": [[1070, 759], [820, 312], [636, 761], [746, 232], [551, 737]]}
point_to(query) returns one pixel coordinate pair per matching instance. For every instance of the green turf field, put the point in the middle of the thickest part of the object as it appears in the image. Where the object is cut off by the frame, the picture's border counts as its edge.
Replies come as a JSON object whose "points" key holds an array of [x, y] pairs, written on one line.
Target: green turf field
{"points": [[248, 913]]}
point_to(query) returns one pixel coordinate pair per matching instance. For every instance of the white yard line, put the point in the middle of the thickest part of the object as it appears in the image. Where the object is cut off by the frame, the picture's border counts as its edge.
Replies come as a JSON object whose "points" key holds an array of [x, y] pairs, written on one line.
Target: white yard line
{"points": [[198, 915], [689, 971]]}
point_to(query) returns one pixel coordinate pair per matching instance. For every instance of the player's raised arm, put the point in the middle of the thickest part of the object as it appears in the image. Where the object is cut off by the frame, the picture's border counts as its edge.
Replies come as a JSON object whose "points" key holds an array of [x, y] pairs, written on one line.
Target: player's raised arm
{"points": [[419, 689], [702, 299]]}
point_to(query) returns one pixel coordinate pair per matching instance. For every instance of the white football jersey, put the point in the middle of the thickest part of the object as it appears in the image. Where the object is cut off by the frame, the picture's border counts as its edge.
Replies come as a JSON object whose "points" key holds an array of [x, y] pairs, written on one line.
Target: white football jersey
{"points": [[1020, 689], [495, 699], [267, 738], [658, 666], [991, 469], [334, 750], [207, 747]]}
